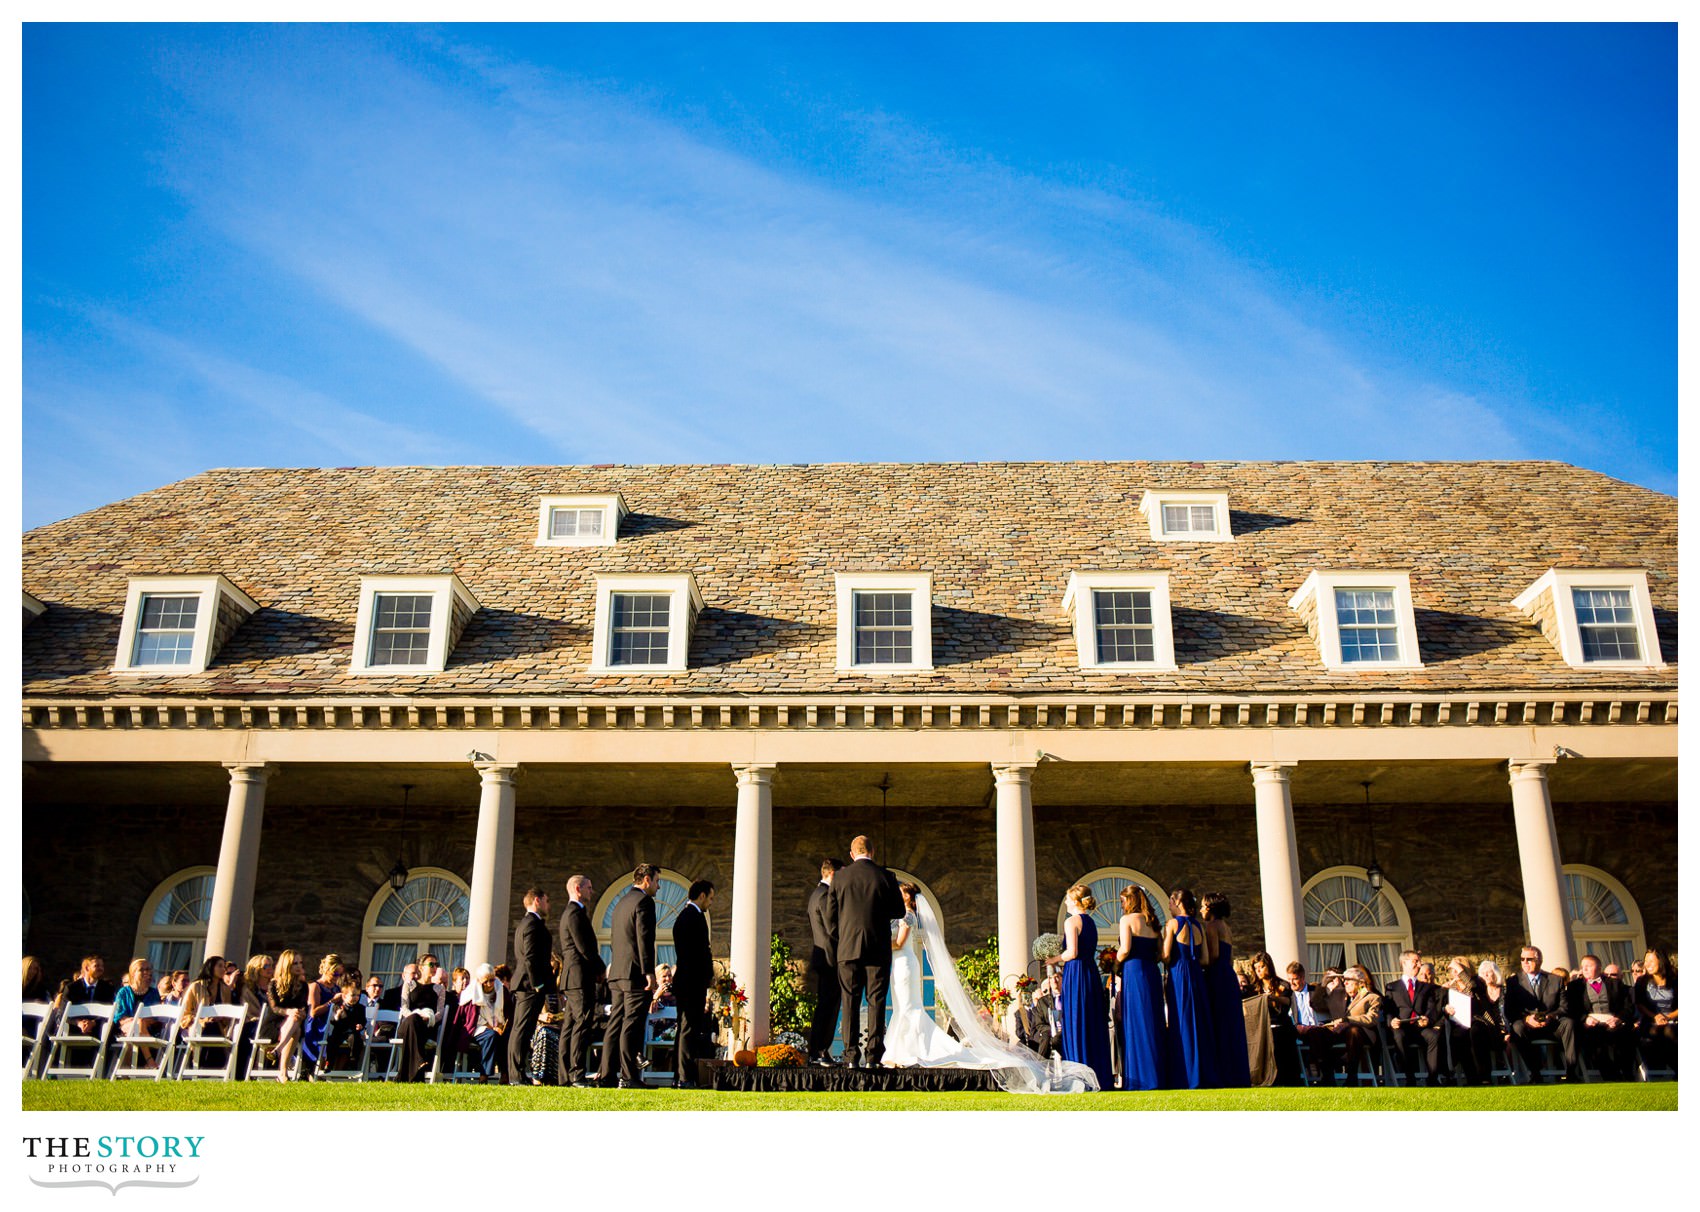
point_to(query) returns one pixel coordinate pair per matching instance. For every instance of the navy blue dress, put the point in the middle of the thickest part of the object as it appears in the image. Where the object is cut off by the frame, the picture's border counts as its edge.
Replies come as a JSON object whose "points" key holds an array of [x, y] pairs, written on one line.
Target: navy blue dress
{"points": [[1190, 1046], [1085, 1026], [1142, 1016], [1233, 1063]]}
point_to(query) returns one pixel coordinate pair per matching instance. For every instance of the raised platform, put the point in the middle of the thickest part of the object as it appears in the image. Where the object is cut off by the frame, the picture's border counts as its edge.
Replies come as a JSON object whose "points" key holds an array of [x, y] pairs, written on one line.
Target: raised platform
{"points": [[724, 1075]]}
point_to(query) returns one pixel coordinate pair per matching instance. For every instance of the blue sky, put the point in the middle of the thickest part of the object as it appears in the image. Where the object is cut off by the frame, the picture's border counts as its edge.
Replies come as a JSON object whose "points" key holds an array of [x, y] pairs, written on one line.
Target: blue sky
{"points": [[293, 246]]}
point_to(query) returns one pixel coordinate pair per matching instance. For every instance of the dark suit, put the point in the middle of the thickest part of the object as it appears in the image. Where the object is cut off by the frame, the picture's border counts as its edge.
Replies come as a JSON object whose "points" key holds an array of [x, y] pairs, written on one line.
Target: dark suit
{"points": [[1522, 998], [533, 981], [823, 972], [633, 924], [581, 965], [1399, 1002], [1612, 1049], [693, 972], [864, 903]]}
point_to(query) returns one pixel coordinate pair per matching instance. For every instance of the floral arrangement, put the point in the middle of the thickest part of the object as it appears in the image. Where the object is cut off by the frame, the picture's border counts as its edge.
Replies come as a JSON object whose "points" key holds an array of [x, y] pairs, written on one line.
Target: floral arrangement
{"points": [[1024, 984], [998, 1001], [780, 1056], [729, 998], [792, 1039], [1107, 961], [1047, 947]]}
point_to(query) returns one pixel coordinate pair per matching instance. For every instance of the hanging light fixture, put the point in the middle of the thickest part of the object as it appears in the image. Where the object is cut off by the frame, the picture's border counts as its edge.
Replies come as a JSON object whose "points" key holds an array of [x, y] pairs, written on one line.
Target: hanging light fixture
{"points": [[398, 873], [884, 786], [1373, 874]]}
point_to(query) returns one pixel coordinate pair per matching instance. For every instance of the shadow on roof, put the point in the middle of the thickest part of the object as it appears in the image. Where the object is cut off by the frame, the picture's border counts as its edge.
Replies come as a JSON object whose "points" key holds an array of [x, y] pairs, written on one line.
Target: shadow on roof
{"points": [[1202, 636], [1250, 523], [725, 637], [634, 525], [1446, 635], [961, 637], [500, 635]]}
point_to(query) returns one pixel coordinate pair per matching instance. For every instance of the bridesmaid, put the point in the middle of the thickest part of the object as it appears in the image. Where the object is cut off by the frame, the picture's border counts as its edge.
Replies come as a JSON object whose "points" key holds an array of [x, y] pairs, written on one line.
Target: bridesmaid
{"points": [[1189, 1047], [1233, 1059], [1141, 993], [1085, 1025]]}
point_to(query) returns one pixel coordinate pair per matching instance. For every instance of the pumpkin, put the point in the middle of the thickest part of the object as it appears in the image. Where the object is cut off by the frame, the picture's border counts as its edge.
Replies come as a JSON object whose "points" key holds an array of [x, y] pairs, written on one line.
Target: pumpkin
{"points": [[744, 1059]]}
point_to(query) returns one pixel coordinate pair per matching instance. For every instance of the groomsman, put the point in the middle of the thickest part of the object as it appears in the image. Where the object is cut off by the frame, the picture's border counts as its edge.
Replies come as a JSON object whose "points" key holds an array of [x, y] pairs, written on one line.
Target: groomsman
{"points": [[693, 972], [864, 901], [534, 980], [581, 967], [823, 967], [631, 977]]}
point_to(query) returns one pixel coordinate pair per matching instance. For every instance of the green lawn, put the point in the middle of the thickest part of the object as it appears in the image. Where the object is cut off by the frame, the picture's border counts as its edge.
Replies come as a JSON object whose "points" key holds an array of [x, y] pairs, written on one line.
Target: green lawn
{"points": [[257, 1096]]}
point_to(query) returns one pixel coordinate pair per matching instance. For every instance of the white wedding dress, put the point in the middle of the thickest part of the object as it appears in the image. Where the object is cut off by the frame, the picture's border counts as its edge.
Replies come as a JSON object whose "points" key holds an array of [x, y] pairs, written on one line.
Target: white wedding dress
{"points": [[912, 1038]]}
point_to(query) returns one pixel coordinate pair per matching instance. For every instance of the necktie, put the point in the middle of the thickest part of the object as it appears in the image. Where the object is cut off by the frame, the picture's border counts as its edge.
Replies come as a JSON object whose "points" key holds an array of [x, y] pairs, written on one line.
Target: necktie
{"points": [[1411, 991]]}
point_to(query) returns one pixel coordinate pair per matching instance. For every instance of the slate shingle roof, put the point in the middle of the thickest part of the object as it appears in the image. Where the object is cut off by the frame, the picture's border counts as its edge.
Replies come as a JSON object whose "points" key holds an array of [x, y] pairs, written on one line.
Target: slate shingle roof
{"points": [[765, 541]]}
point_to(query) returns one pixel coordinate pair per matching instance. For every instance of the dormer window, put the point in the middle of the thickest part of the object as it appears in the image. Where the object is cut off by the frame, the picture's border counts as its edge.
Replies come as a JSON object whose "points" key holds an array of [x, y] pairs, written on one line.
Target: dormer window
{"points": [[1596, 618], [885, 622], [580, 520], [1187, 516], [1360, 619], [1121, 621], [644, 622], [409, 624], [178, 624]]}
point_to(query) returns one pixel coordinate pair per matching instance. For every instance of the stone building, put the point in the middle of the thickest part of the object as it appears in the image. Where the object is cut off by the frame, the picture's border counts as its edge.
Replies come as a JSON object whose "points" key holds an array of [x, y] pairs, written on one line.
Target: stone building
{"points": [[360, 709]]}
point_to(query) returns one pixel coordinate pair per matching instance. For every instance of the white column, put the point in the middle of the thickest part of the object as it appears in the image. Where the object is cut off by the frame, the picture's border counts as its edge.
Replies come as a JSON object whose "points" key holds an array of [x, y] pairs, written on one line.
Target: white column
{"points": [[1278, 863], [752, 893], [492, 866], [1018, 894], [230, 923], [1543, 870]]}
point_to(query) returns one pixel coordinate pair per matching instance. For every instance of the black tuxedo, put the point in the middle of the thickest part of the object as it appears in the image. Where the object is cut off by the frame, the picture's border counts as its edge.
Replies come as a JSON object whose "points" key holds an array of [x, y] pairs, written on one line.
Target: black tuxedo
{"points": [[1424, 1001], [633, 924], [581, 965], [693, 971], [1612, 1049], [863, 904], [533, 981], [823, 972], [1523, 998]]}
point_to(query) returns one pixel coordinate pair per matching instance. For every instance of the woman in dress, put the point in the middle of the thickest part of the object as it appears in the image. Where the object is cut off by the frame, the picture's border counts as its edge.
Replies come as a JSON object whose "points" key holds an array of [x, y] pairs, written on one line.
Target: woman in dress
{"points": [[1280, 997], [136, 992], [1656, 1010], [1085, 1024], [1189, 1050], [207, 989], [286, 998], [320, 994], [1141, 992], [35, 984], [1233, 1058], [1472, 1046]]}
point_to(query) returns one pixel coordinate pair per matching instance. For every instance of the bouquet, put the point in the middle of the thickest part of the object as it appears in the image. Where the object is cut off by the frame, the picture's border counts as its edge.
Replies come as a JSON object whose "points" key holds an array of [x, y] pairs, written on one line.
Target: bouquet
{"points": [[998, 1001], [1047, 947], [1107, 961]]}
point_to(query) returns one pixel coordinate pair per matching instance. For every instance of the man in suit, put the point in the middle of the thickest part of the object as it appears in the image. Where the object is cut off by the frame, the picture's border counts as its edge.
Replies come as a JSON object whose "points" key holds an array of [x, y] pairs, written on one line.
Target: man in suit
{"points": [[823, 967], [90, 986], [693, 972], [631, 977], [533, 981], [1604, 1013], [1414, 1018], [1534, 1007], [581, 966], [864, 902]]}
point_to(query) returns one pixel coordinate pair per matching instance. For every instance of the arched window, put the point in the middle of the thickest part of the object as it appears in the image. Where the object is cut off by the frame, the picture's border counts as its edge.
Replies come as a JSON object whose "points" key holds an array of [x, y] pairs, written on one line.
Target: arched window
{"points": [[1106, 884], [428, 915], [1604, 919], [670, 897], [1348, 922], [172, 931]]}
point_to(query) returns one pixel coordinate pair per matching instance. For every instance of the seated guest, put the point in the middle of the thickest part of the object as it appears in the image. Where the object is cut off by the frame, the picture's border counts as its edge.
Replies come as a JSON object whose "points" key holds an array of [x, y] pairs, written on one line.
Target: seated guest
{"points": [[135, 993], [1363, 1017], [90, 986], [257, 976], [372, 997], [488, 1024], [207, 989], [1263, 979], [1474, 1036], [320, 994], [663, 988], [346, 1016], [1412, 1006], [1493, 989], [1604, 1014], [174, 986], [1655, 1007], [420, 1006], [504, 982], [35, 982], [1310, 1019], [286, 998], [1534, 1009]]}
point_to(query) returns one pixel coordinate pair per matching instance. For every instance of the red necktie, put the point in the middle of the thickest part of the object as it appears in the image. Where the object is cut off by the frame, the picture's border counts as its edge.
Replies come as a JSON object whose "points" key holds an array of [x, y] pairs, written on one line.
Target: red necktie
{"points": [[1411, 992]]}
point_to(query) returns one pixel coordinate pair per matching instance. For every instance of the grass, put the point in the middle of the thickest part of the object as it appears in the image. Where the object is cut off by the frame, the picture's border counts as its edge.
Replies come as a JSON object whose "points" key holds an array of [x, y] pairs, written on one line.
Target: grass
{"points": [[267, 1096]]}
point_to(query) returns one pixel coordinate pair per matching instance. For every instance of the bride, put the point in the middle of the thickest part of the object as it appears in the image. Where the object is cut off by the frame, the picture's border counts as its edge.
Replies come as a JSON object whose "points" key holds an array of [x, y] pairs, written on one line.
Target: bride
{"points": [[912, 1038]]}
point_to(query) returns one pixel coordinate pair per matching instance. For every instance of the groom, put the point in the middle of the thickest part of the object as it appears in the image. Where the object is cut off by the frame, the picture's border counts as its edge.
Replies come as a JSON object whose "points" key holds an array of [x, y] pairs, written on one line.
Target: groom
{"points": [[862, 903]]}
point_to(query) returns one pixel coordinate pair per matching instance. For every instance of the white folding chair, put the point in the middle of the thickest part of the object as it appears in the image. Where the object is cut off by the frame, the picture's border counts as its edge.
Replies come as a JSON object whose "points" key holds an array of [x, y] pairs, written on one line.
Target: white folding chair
{"points": [[66, 1042], [435, 1072], [660, 1034], [381, 1028], [35, 1035], [131, 1059], [262, 1056], [210, 1044]]}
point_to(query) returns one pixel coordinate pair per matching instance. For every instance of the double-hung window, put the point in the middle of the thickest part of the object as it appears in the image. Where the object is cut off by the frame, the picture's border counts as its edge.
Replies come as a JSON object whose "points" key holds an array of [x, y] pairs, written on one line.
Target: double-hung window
{"points": [[885, 622], [401, 629], [1597, 617], [1605, 622], [165, 634], [644, 622], [1369, 626], [885, 627], [177, 624], [1121, 620], [409, 624], [1360, 619]]}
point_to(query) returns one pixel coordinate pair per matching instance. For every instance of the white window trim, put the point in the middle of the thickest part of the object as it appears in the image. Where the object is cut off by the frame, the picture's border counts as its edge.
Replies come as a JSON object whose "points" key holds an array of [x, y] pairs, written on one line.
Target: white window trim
{"points": [[1151, 505], [920, 584], [1402, 933], [612, 505], [685, 605], [34, 608], [1079, 607], [206, 588], [1561, 581], [443, 590], [195, 933], [1322, 585], [372, 934]]}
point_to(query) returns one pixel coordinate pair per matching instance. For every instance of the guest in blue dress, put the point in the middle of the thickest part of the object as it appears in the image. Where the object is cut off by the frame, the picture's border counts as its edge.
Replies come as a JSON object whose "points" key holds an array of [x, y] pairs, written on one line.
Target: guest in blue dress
{"points": [[1189, 1045], [1085, 1022], [1141, 993], [1233, 1060], [320, 995]]}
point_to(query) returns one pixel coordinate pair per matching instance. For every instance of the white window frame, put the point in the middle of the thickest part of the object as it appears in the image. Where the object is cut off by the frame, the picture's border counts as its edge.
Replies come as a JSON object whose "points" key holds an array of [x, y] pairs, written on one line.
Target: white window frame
{"points": [[1562, 581], [685, 605], [34, 608], [1151, 505], [920, 587], [1080, 606], [1586, 937], [1322, 584], [612, 505], [1401, 934], [423, 937], [206, 588], [443, 589], [193, 933]]}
